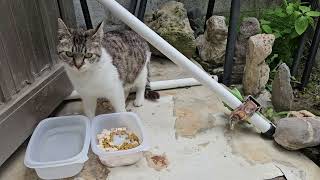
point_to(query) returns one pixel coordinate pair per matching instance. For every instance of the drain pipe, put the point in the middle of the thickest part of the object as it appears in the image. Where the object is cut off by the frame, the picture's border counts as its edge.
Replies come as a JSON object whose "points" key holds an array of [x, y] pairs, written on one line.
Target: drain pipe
{"points": [[173, 54], [158, 85]]}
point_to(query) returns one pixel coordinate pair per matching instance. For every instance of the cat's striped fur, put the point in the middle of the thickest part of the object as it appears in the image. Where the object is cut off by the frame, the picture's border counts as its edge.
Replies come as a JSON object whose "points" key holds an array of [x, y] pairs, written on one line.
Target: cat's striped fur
{"points": [[106, 65]]}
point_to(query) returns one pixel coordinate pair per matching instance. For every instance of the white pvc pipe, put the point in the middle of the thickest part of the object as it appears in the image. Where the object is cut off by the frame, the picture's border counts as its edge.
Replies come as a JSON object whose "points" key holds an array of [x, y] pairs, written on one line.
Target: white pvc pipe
{"points": [[156, 85], [178, 58], [175, 83]]}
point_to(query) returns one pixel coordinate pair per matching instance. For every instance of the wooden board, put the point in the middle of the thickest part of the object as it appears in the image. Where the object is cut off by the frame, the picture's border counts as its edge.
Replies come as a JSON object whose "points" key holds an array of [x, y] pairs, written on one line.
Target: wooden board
{"points": [[23, 33], [20, 117], [32, 83], [12, 46], [7, 87], [34, 21], [50, 14]]}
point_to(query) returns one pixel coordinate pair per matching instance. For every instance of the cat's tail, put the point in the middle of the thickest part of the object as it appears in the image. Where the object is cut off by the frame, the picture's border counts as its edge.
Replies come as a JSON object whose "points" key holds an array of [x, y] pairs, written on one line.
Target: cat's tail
{"points": [[150, 94]]}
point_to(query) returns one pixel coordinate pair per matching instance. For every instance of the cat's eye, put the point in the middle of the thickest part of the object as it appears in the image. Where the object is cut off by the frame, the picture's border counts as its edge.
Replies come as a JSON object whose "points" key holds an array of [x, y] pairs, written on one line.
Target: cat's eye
{"points": [[69, 54], [88, 55]]}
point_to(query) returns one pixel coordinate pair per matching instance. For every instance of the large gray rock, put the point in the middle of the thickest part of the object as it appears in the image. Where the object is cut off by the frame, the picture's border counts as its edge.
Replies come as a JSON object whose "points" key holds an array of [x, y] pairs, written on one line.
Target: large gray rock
{"points": [[212, 45], [171, 23], [256, 72], [297, 133], [249, 27], [282, 92]]}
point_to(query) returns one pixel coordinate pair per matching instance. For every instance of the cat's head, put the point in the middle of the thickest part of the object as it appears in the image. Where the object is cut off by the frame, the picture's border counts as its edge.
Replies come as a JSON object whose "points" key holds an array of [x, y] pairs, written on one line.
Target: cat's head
{"points": [[79, 50]]}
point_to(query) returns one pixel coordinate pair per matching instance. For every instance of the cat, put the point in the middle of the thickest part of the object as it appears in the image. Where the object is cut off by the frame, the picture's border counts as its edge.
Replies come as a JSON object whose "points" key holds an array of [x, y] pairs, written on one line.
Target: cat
{"points": [[105, 65]]}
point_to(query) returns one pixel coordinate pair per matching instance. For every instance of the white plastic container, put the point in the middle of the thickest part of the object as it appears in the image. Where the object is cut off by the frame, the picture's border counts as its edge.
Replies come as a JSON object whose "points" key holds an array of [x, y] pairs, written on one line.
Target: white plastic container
{"points": [[59, 147], [117, 120]]}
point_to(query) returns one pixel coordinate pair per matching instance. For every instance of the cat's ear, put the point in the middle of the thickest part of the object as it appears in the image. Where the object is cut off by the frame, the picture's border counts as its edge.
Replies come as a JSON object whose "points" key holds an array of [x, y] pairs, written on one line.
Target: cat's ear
{"points": [[62, 29], [98, 32]]}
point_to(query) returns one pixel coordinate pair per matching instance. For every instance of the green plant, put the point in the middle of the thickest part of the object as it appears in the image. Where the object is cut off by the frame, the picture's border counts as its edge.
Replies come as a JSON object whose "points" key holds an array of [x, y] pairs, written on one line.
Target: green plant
{"points": [[272, 115], [237, 94], [268, 112], [287, 23]]}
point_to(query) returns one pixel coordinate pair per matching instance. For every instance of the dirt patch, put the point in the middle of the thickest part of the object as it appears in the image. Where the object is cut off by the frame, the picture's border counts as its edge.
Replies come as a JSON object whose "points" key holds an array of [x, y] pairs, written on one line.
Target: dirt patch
{"points": [[157, 162], [93, 169], [309, 98], [189, 122], [194, 109], [251, 147]]}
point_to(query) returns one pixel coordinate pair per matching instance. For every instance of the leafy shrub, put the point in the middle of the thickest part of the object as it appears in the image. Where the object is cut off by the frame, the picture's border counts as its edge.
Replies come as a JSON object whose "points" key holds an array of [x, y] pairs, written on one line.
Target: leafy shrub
{"points": [[287, 23]]}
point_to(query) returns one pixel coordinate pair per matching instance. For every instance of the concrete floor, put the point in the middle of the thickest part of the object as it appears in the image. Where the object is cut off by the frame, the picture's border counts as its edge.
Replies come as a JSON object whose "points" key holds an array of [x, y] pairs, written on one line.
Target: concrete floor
{"points": [[189, 127]]}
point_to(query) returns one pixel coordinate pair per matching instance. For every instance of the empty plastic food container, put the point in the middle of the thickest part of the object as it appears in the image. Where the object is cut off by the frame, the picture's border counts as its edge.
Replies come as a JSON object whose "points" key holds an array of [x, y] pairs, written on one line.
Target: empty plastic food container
{"points": [[118, 120], [59, 147]]}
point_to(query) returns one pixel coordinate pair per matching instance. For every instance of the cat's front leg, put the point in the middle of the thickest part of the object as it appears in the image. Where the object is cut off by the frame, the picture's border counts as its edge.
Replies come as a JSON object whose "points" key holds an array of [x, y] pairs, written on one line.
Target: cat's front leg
{"points": [[140, 85], [117, 99], [139, 96], [89, 105]]}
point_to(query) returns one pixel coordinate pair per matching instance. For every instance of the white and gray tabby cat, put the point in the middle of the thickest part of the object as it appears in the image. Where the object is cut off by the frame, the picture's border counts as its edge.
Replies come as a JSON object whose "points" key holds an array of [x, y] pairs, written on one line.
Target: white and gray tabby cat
{"points": [[105, 65]]}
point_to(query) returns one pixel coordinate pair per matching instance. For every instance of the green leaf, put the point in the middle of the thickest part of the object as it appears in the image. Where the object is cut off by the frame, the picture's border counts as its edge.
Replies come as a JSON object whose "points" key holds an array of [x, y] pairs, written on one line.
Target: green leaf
{"points": [[269, 87], [289, 9], [266, 28], [262, 21], [311, 22], [313, 13], [282, 114], [277, 34], [293, 35], [301, 24], [296, 13], [304, 9], [279, 12], [288, 31], [237, 94]]}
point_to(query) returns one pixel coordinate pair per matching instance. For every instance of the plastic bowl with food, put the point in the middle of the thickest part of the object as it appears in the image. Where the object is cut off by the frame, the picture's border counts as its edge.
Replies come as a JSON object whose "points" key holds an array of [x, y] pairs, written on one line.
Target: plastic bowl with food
{"points": [[115, 152]]}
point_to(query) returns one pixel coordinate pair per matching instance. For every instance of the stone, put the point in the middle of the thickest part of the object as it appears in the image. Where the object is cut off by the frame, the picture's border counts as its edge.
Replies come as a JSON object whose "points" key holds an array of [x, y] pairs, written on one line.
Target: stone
{"points": [[296, 133], [212, 45], [171, 22], [249, 27], [264, 99], [196, 20], [282, 92], [256, 71], [300, 114]]}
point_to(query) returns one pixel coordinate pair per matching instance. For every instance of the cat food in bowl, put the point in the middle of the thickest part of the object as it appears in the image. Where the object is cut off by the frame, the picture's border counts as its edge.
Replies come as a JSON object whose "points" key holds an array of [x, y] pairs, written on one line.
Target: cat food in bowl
{"points": [[118, 139]]}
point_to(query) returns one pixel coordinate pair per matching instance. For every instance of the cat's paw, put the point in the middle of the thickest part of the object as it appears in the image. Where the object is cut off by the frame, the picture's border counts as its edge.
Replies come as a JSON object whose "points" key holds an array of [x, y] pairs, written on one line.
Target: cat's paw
{"points": [[138, 103]]}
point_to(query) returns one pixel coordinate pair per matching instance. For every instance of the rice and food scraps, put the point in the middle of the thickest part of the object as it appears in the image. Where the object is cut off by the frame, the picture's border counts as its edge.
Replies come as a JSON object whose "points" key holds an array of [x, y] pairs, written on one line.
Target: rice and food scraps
{"points": [[117, 139]]}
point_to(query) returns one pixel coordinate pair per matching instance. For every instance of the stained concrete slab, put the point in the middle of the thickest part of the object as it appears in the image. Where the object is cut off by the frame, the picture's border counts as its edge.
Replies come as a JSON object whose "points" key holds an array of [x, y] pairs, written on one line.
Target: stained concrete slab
{"points": [[189, 128], [213, 153], [216, 153]]}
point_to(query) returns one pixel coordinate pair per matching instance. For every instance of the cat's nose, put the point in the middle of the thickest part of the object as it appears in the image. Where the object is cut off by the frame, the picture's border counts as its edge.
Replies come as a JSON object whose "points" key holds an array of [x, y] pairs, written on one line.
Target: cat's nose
{"points": [[78, 66], [78, 62]]}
